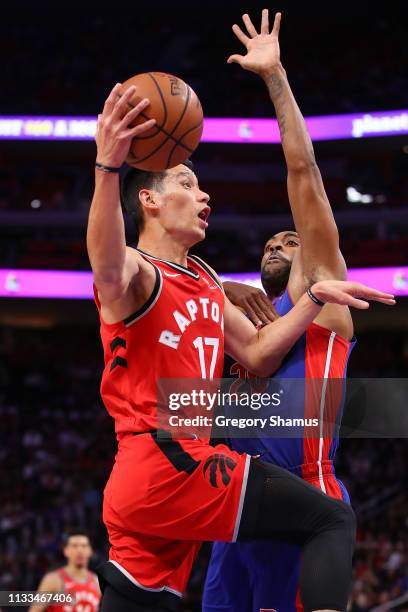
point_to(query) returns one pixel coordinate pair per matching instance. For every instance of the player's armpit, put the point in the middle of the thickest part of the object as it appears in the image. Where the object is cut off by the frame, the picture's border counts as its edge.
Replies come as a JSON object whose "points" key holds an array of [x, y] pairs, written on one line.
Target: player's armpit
{"points": [[304, 272], [334, 317], [112, 287], [51, 583]]}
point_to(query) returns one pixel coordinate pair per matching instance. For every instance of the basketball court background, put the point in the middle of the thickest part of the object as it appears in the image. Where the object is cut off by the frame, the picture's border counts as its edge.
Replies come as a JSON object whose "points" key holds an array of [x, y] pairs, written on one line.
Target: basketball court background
{"points": [[57, 443]]}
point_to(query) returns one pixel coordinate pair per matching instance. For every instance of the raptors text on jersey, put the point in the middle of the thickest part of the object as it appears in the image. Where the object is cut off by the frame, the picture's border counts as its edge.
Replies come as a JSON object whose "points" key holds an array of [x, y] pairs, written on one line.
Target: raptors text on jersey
{"points": [[177, 334]]}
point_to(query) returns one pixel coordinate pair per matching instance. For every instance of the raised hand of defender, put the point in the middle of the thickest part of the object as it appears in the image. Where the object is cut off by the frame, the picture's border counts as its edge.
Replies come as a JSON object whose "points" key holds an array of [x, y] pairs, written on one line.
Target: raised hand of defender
{"points": [[350, 294], [263, 53], [113, 132], [252, 301]]}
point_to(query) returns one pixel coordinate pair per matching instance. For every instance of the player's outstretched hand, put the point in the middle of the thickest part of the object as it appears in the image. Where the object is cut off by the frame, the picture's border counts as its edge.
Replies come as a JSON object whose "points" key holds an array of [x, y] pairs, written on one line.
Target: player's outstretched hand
{"points": [[113, 134], [263, 53], [350, 294], [252, 301]]}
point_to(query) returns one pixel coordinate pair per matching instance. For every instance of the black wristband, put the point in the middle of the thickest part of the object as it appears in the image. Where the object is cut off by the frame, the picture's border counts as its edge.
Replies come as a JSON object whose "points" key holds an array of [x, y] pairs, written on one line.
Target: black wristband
{"points": [[104, 168], [314, 298]]}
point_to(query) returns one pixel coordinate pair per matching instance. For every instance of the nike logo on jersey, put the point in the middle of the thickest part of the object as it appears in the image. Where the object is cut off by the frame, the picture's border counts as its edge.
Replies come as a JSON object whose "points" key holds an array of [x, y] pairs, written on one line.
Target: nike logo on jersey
{"points": [[168, 274], [209, 284]]}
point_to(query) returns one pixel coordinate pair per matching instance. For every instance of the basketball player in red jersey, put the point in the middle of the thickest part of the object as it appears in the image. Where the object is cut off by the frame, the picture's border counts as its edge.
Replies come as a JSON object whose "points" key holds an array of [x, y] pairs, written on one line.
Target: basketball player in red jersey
{"points": [[73, 578], [163, 314]]}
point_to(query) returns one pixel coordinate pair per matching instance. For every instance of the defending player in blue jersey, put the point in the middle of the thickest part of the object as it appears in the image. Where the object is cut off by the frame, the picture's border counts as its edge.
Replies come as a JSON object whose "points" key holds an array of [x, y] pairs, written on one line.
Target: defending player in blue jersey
{"points": [[264, 576]]}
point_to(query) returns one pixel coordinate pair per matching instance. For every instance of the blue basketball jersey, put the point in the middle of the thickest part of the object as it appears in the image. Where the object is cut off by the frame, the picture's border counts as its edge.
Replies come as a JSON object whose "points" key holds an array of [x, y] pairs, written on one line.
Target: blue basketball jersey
{"points": [[310, 379], [263, 576]]}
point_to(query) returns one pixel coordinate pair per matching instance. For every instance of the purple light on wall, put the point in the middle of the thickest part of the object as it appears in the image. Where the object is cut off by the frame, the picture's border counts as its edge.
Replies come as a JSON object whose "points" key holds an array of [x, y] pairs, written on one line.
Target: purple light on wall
{"points": [[45, 284], [78, 285], [391, 280], [239, 130]]}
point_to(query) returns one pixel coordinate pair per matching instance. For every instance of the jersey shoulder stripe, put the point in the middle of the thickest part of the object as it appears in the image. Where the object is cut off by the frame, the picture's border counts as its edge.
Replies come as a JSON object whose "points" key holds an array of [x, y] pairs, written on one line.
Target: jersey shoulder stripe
{"points": [[150, 302], [206, 269], [171, 264]]}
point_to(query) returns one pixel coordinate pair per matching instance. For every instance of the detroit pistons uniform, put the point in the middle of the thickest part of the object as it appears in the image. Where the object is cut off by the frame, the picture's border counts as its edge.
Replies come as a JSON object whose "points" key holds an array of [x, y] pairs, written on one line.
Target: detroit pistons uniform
{"points": [[162, 499], [239, 575], [86, 593]]}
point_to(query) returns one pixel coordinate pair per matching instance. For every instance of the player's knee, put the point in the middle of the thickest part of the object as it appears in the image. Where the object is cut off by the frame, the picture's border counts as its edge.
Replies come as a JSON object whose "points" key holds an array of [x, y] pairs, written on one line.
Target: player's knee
{"points": [[342, 518], [346, 516], [349, 519]]}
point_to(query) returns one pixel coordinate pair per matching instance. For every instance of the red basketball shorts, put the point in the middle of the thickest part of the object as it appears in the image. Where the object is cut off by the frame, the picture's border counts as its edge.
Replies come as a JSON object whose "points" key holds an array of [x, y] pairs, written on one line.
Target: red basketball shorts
{"points": [[163, 498]]}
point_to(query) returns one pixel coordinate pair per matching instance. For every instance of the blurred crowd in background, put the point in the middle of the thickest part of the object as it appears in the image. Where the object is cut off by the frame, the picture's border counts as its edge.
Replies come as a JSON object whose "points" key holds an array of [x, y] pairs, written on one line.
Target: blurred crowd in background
{"points": [[44, 203], [348, 60], [56, 441], [226, 250], [57, 447], [343, 60], [238, 181]]}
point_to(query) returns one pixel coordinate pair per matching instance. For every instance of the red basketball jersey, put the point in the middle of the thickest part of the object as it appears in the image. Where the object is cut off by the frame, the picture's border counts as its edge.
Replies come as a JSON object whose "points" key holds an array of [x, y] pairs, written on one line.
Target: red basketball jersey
{"points": [[87, 595], [178, 333]]}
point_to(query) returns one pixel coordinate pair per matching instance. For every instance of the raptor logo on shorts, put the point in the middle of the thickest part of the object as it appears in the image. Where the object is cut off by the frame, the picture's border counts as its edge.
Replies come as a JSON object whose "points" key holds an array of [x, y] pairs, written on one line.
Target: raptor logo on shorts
{"points": [[219, 464]]}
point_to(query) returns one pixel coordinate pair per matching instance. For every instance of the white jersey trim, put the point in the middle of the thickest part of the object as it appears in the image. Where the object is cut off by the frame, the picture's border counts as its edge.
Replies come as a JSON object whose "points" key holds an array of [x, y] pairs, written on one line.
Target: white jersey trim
{"points": [[140, 586], [201, 263], [322, 407], [241, 499], [143, 311], [173, 265]]}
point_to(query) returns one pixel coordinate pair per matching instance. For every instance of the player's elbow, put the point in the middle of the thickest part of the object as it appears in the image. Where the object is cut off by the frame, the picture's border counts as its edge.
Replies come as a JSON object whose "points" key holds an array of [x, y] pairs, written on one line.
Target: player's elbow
{"points": [[263, 358], [266, 366], [301, 166], [262, 371]]}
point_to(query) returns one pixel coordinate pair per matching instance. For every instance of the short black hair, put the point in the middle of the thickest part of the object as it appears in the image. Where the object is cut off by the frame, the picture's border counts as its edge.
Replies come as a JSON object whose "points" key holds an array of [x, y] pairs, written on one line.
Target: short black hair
{"points": [[74, 531], [132, 181]]}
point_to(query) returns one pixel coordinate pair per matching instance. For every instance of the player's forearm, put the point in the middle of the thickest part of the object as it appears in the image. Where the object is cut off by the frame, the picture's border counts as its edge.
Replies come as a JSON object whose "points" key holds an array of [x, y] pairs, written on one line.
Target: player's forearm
{"points": [[296, 142], [310, 206], [275, 340], [106, 239]]}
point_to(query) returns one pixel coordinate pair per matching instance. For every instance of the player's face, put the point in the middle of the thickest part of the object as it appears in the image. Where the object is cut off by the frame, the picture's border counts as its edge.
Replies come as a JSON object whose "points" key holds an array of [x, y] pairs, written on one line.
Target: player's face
{"points": [[277, 260], [184, 209], [78, 551]]}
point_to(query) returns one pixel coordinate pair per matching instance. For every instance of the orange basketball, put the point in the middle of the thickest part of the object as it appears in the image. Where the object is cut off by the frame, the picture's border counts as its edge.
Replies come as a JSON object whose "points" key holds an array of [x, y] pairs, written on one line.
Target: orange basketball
{"points": [[179, 121]]}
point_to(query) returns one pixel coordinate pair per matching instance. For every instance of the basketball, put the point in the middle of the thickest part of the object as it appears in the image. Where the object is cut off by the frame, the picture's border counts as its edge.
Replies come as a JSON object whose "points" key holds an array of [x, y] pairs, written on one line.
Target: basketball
{"points": [[179, 121]]}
